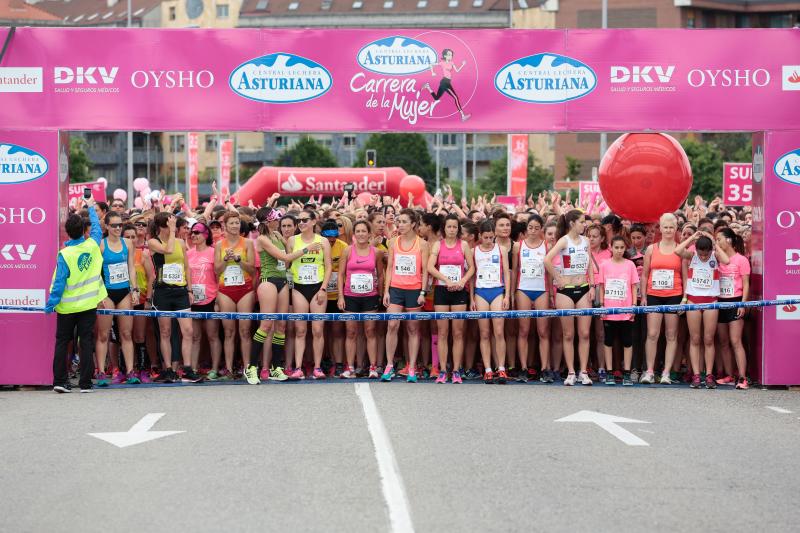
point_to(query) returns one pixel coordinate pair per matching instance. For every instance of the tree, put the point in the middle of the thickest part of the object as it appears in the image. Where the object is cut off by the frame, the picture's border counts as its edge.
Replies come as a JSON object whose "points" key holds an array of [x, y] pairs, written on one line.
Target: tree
{"points": [[79, 162], [495, 182], [307, 153], [573, 168], [706, 162], [735, 147], [407, 150]]}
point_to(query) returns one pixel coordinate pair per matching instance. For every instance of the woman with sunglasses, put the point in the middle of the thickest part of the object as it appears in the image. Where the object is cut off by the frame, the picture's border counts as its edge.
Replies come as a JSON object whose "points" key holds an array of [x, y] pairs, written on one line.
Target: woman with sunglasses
{"points": [[118, 271], [310, 274], [204, 292], [146, 363], [334, 329]]}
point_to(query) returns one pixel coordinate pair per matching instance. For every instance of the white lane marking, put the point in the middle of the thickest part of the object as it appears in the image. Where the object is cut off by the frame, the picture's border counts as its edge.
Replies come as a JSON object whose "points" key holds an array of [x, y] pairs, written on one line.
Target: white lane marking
{"points": [[609, 423], [139, 432], [392, 484], [780, 410], [646, 431]]}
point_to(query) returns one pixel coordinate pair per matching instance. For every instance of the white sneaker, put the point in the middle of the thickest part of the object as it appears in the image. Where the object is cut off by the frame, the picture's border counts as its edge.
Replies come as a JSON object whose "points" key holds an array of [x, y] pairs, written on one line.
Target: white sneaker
{"points": [[665, 379], [570, 381], [585, 379], [347, 374], [647, 378], [251, 374]]}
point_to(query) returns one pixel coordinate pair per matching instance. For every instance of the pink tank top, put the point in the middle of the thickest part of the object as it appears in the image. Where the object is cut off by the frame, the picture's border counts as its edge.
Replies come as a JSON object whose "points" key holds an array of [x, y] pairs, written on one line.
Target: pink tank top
{"points": [[407, 266], [204, 280], [361, 279], [450, 261]]}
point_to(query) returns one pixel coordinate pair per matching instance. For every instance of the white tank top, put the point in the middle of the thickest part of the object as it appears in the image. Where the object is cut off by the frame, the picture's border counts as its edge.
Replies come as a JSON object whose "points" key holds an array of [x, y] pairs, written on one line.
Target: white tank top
{"points": [[489, 268], [703, 278], [531, 267], [575, 257]]}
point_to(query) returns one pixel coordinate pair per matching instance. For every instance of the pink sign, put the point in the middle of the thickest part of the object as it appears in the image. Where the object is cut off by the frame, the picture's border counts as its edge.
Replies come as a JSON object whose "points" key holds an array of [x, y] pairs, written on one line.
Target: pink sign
{"points": [[191, 164], [737, 184], [510, 202], [225, 159], [402, 80], [75, 191], [589, 192], [517, 165]]}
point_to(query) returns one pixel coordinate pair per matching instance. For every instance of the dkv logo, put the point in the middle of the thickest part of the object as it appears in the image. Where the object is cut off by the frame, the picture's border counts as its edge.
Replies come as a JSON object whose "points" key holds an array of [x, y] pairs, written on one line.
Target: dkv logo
{"points": [[787, 167], [85, 75], [397, 56], [545, 79], [19, 164], [22, 252], [280, 78], [642, 74]]}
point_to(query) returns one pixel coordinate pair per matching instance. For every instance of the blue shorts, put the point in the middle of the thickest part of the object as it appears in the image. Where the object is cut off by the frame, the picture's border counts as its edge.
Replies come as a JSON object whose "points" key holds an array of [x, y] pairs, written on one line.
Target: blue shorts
{"points": [[489, 294], [532, 295], [407, 298]]}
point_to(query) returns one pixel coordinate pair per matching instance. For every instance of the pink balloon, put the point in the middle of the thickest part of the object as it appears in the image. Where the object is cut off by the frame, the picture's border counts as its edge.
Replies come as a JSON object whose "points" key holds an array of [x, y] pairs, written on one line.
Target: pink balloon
{"points": [[414, 185], [138, 203], [120, 194], [145, 192], [102, 180], [140, 183], [364, 198]]}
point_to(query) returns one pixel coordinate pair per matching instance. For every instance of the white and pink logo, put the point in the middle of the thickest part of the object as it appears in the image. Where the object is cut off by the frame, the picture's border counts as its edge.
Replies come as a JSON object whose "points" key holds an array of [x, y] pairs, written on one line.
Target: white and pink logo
{"points": [[330, 182]]}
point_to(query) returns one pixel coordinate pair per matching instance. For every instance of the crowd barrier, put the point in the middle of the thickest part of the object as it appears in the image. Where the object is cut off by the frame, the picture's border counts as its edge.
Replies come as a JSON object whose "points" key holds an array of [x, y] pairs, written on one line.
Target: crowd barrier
{"points": [[453, 315]]}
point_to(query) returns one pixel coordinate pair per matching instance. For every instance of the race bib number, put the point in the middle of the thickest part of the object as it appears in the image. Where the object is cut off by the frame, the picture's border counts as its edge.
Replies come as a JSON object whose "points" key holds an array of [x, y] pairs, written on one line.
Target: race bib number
{"points": [[451, 272], [280, 265], [233, 276], [726, 286], [172, 273], [308, 274], [405, 265], [702, 278], [663, 279], [532, 268], [578, 261], [615, 289], [490, 273], [199, 292], [118, 273], [361, 283], [333, 282]]}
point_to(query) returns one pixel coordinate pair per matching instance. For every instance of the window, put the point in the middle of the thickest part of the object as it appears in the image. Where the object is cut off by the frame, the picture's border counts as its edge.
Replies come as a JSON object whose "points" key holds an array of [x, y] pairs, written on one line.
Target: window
{"points": [[222, 11], [388, 4], [477, 3], [349, 141], [211, 142], [452, 3], [172, 14], [326, 4], [358, 4], [280, 141], [177, 143], [523, 4], [422, 4], [293, 6], [262, 4], [448, 139]]}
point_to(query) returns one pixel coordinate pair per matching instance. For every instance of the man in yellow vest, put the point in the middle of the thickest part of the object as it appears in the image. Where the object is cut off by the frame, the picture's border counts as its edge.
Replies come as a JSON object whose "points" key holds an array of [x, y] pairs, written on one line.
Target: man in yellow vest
{"points": [[76, 290]]}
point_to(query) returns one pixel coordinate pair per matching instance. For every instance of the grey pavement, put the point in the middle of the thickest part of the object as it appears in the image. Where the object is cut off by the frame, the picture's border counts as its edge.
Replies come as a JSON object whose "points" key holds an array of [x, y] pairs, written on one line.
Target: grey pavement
{"points": [[299, 457]]}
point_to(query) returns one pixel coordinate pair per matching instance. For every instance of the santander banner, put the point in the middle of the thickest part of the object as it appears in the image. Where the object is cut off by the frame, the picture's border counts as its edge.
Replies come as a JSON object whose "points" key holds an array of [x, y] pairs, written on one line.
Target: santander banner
{"points": [[394, 80]]}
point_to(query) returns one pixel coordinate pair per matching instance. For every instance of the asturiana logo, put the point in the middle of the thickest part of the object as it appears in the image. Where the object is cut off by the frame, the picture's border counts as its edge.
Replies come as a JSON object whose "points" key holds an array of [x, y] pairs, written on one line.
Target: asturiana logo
{"points": [[397, 56], [545, 79], [19, 164], [787, 167], [280, 78]]}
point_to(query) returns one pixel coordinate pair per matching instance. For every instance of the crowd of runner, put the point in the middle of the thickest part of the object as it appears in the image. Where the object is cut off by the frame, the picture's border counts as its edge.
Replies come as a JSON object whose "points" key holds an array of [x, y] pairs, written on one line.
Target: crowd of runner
{"points": [[342, 256]]}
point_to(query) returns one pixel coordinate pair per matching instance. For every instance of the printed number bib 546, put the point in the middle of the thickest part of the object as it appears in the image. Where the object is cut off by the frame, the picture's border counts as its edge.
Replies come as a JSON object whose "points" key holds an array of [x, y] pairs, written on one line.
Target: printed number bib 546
{"points": [[405, 265]]}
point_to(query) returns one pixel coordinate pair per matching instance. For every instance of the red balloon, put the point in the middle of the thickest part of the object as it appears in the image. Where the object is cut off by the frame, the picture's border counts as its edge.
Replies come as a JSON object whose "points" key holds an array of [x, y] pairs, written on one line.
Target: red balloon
{"points": [[644, 175], [414, 185], [364, 198]]}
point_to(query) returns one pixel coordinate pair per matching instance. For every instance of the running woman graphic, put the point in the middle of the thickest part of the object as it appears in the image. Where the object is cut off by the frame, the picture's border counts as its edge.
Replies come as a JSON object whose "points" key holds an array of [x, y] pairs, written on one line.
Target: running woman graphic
{"points": [[446, 85]]}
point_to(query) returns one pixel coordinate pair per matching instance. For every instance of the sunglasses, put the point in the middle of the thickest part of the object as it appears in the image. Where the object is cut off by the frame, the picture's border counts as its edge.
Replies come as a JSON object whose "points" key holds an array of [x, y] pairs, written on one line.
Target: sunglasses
{"points": [[340, 225], [303, 220], [140, 224], [115, 226], [198, 233]]}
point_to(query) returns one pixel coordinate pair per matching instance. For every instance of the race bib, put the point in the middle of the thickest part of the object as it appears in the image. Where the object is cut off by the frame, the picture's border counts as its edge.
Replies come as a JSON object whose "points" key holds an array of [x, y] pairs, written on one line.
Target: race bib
{"points": [[405, 265], [451, 272], [361, 283], [172, 273], [199, 292], [233, 276], [663, 279], [702, 278], [490, 273], [118, 273], [616, 289], [308, 274], [578, 261], [726, 286], [280, 265], [532, 268], [333, 281]]}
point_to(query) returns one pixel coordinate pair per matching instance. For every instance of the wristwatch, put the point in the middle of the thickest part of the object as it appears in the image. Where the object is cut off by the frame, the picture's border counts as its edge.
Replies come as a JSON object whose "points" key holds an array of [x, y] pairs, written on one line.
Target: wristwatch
{"points": [[423, 292]]}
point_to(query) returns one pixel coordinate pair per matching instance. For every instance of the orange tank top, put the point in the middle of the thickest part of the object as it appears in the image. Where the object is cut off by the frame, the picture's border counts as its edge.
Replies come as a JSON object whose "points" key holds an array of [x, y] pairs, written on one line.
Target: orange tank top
{"points": [[664, 278], [234, 275], [407, 266]]}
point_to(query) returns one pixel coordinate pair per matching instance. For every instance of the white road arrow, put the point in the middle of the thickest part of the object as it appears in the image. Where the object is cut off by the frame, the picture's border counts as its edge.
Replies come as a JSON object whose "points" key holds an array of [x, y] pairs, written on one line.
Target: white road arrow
{"points": [[609, 423], [139, 433]]}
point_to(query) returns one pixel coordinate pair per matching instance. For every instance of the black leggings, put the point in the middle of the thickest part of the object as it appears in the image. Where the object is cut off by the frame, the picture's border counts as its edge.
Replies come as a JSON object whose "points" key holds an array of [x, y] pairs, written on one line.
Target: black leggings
{"points": [[446, 87]]}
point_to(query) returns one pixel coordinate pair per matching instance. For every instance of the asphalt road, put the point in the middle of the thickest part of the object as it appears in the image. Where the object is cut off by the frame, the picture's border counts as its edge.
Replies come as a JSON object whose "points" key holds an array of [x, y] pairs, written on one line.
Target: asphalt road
{"points": [[302, 457]]}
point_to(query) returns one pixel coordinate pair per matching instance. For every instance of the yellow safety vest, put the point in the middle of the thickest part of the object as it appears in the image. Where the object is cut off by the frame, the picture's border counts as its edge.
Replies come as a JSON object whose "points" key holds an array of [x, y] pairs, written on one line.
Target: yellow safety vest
{"points": [[85, 288]]}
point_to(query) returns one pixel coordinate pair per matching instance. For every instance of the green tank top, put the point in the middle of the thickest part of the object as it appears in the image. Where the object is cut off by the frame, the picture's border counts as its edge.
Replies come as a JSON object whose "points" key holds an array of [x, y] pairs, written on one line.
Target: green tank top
{"points": [[271, 267], [310, 268]]}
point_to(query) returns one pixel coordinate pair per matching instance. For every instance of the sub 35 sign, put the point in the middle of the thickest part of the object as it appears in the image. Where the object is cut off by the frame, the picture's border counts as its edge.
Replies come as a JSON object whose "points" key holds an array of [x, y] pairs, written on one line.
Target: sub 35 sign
{"points": [[737, 183]]}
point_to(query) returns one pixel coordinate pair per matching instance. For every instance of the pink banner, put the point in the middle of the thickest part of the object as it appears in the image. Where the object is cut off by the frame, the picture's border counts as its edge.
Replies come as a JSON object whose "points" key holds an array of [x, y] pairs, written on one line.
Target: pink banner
{"points": [[517, 165], [75, 191], [737, 184], [225, 159], [589, 192], [191, 165], [510, 202], [401, 80]]}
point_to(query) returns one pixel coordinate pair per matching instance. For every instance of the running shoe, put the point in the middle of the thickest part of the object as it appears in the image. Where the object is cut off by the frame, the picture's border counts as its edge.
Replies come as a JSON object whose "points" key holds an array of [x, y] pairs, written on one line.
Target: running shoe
{"points": [[585, 379], [648, 378], [635, 375], [388, 373], [144, 377], [117, 377], [442, 377], [212, 375], [488, 377], [674, 376], [297, 374], [502, 377], [165, 376], [403, 371], [592, 374], [742, 384], [102, 379], [132, 378], [361, 372], [471, 375], [522, 375], [338, 369], [570, 381], [190, 376], [602, 374], [610, 380], [63, 389], [457, 377], [695, 384], [512, 373], [544, 376], [225, 375], [627, 381], [348, 373], [531, 373], [727, 380], [412, 376], [665, 379], [264, 375], [550, 376], [434, 373], [373, 372], [318, 374], [617, 376], [276, 373], [711, 383], [87, 390], [251, 375]]}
